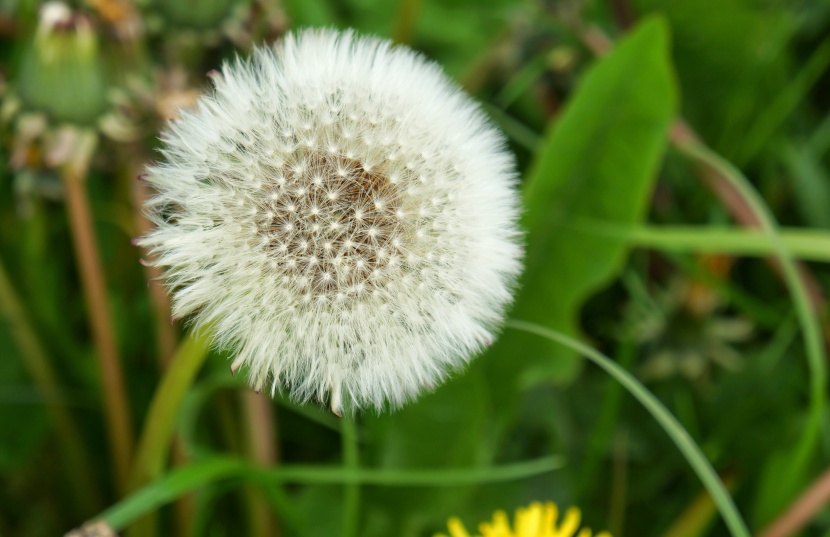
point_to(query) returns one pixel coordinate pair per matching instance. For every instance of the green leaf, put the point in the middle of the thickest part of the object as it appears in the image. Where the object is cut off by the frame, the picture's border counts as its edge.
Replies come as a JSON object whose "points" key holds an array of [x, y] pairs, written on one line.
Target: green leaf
{"points": [[598, 163]]}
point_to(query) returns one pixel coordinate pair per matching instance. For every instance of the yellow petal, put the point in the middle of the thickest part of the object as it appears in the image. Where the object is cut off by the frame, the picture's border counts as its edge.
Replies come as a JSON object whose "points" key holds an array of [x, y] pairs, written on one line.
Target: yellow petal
{"points": [[457, 529], [549, 520], [569, 524], [535, 520], [499, 528], [529, 521]]}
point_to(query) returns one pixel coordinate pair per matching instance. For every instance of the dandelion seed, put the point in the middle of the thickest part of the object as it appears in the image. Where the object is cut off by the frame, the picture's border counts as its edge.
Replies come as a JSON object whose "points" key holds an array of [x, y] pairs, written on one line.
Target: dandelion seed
{"points": [[363, 315]]}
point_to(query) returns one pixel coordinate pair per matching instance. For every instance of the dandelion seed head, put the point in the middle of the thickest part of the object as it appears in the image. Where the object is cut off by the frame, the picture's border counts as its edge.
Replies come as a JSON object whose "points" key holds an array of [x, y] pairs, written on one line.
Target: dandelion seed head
{"points": [[336, 272]]}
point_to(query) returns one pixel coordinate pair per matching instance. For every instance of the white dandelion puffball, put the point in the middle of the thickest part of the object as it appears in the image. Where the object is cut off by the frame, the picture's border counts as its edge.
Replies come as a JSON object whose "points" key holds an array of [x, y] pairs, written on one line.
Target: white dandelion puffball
{"points": [[342, 216]]}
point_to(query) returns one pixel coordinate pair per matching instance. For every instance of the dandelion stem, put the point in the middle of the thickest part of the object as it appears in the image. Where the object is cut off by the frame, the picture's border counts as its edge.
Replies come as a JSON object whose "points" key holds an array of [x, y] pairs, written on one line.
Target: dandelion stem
{"points": [[116, 407], [262, 449], [351, 462], [37, 363], [669, 423]]}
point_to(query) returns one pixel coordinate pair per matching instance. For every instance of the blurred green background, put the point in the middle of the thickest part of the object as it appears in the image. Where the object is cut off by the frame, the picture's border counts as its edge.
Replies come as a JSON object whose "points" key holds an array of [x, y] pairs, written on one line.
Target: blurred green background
{"points": [[637, 244]]}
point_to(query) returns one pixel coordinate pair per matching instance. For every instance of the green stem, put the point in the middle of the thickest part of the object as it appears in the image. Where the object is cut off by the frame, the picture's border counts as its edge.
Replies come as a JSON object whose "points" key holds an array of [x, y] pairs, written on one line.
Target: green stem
{"points": [[37, 363], [672, 427], [807, 244], [158, 430], [810, 328], [351, 461], [262, 448], [156, 438], [201, 474]]}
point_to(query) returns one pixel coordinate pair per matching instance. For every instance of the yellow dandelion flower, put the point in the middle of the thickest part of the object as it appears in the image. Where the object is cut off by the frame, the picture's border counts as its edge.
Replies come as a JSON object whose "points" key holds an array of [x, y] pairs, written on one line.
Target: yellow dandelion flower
{"points": [[536, 520]]}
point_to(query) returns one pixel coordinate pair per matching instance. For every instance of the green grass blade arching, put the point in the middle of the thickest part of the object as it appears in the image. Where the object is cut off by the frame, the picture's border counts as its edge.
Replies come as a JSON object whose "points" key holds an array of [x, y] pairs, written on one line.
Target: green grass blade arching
{"points": [[672, 427], [790, 469]]}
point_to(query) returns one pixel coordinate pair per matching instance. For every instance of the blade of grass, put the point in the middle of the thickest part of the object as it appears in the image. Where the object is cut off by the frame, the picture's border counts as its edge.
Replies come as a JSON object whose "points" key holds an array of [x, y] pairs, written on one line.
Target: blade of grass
{"points": [[810, 328], [523, 80], [156, 437], [517, 131], [810, 182], [205, 473], [158, 429], [71, 447], [807, 244], [678, 434], [819, 141], [782, 107]]}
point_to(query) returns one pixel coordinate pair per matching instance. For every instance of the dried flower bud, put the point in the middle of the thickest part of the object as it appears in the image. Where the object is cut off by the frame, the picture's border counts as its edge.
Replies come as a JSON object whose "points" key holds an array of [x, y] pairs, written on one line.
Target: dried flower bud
{"points": [[341, 215]]}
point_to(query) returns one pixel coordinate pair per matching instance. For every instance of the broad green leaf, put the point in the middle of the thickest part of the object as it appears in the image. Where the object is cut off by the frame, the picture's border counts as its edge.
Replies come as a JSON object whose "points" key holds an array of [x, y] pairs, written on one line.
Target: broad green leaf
{"points": [[598, 163]]}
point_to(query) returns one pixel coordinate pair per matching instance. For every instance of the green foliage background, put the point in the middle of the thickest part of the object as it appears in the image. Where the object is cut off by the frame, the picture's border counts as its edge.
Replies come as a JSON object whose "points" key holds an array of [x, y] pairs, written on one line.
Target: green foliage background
{"points": [[635, 244]]}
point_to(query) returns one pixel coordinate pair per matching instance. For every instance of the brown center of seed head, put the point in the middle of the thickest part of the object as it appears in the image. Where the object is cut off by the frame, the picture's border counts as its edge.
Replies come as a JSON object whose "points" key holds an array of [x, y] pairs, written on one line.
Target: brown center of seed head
{"points": [[334, 226]]}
